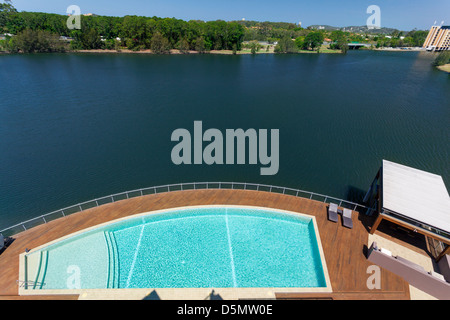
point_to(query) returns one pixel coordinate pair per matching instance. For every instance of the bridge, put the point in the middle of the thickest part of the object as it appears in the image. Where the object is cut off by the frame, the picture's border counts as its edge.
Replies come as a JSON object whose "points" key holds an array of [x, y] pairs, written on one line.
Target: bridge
{"points": [[356, 46]]}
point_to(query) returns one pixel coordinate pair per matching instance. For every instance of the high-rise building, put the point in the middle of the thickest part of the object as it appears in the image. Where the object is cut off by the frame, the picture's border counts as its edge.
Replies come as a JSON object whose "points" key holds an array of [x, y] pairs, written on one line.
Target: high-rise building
{"points": [[438, 39]]}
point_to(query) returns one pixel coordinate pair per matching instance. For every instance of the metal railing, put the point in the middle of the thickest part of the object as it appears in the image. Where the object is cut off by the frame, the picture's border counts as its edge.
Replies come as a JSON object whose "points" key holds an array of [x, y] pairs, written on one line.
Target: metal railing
{"points": [[25, 284], [25, 225]]}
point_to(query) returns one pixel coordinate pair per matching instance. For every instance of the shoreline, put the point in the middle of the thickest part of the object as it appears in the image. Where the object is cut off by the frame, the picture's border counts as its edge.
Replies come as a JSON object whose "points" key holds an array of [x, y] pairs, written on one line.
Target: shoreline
{"points": [[445, 68], [403, 49], [176, 51], [230, 52]]}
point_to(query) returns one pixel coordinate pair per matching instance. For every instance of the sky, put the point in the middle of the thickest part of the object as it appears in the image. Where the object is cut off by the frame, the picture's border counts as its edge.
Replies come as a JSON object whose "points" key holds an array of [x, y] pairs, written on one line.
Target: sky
{"points": [[399, 14]]}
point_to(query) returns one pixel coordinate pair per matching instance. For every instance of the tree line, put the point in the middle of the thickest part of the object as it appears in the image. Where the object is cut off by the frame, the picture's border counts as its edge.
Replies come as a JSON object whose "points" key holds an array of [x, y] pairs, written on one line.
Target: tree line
{"points": [[38, 32], [413, 38], [133, 32]]}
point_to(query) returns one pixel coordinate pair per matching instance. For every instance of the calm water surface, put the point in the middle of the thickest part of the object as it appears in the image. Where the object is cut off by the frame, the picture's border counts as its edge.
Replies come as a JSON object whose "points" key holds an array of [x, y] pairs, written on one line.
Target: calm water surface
{"points": [[75, 127]]}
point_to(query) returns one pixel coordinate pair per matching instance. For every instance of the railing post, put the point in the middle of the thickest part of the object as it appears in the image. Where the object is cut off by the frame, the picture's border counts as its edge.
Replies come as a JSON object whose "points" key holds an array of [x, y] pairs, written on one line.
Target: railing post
{"points": [[299, 193]]}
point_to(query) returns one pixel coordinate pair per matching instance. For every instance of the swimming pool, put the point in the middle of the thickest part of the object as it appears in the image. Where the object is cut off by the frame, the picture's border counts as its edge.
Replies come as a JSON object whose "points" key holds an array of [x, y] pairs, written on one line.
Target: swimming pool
{"points": [[191, 247]]}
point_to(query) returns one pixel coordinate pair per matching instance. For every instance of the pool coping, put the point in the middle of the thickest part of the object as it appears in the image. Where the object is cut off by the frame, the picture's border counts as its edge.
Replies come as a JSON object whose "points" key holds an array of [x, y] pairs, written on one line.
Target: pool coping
{"points": [[178, 293]]}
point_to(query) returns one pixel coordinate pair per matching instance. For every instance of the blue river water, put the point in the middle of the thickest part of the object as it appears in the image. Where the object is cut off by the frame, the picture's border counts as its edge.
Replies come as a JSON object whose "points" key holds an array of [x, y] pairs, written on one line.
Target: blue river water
{"points": [[74, 127]]}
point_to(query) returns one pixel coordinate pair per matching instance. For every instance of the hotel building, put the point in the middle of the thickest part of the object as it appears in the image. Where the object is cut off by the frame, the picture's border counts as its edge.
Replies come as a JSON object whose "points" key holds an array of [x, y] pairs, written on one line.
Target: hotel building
{"points": [[438, 39]]}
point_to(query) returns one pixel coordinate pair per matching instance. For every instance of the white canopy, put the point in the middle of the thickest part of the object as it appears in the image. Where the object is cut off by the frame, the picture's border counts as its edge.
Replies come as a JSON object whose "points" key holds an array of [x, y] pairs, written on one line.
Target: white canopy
{"points": [[416, 194]]}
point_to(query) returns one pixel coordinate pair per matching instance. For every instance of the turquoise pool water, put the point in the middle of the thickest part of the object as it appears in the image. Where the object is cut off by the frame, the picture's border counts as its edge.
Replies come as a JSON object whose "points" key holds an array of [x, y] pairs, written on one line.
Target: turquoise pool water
{"points": [[187, 248]]}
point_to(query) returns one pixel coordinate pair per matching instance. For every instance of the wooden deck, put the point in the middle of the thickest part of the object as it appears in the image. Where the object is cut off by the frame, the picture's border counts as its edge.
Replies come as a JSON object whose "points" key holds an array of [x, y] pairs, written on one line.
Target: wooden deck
{"points": [[344, 248]]}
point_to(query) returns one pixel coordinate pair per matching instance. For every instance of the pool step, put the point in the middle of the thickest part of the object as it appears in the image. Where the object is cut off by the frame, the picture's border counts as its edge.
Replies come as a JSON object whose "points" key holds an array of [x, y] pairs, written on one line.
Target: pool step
{"points": [[113, 266], [42, 269], [115, 282]]}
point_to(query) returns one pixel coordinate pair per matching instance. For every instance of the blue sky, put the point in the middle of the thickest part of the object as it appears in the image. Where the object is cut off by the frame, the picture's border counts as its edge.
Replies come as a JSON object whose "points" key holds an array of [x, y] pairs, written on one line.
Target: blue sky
{"points": [[400, 14]]}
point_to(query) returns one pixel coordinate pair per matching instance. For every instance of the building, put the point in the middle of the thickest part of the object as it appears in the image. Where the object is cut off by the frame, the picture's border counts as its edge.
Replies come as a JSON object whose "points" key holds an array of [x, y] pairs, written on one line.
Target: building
{"points": [[414, 200], [438, 39]]}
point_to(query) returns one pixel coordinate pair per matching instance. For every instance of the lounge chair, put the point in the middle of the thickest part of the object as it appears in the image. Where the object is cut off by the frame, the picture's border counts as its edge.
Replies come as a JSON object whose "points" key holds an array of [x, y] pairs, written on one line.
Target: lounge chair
{"points": [[333, 212], [347, 218]]}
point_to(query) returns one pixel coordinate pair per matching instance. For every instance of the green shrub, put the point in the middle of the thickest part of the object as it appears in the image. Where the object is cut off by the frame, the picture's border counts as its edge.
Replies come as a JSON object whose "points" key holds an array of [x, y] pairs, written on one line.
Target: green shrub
{"points": [[442, 58], [32, 41]]}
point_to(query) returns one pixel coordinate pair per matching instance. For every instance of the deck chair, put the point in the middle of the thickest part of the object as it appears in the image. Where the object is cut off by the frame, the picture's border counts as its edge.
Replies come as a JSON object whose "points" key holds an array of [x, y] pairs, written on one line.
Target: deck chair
{"points": [[347, 218], [333, 212]]}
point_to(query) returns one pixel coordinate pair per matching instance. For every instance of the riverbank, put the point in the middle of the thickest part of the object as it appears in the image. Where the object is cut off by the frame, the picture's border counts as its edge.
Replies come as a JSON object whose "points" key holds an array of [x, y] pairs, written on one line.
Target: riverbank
{"points": [[399, 49], [323, 49], [225, 52], [445, 68], [172, 51]]}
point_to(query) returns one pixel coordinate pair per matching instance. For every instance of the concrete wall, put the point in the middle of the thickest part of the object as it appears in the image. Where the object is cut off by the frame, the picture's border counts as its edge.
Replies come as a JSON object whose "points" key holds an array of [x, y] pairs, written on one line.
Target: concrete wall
{"points": [[429, 282]]}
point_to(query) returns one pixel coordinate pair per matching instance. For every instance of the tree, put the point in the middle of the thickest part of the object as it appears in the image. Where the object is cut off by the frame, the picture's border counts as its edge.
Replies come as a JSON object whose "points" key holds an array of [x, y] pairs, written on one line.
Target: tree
{"points": [[31, 41], [234, 34], [159, 44], [300, 42], [442, 58], [337, 35], [286, 45], [136, 32], [340, 40], [6, 11], [394, 42], [418, 37], [343, 45], [200, 45], [89, 39], [234, 48], [254, 46], [183, 46], [314, 39]]}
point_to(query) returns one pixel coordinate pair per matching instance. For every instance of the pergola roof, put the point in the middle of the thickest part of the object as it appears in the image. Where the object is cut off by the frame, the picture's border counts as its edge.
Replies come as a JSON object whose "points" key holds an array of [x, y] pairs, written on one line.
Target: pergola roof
{"points": [[416, 194]]}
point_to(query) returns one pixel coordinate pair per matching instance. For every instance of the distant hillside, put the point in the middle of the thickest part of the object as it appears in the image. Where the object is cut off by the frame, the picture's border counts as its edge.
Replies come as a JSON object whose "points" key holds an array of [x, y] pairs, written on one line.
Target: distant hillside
{"points": [[356, 29]]}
